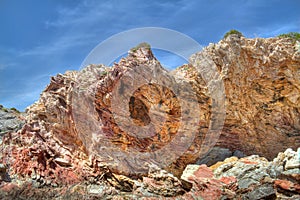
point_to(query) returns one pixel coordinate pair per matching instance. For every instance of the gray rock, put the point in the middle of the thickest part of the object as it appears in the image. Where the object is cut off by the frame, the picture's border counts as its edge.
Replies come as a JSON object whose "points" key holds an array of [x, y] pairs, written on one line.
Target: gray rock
{"points": [[293, 163], [262, 192], [241, 170], [255, 175], [95, 189], [216, 154], [291, 172], [239, 154], [246, 182], [286, 164], [9, 121]]}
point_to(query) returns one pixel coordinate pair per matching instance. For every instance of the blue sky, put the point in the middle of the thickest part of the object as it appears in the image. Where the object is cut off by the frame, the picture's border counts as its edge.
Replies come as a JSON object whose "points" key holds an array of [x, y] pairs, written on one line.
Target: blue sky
{"points": [[39, 39]]}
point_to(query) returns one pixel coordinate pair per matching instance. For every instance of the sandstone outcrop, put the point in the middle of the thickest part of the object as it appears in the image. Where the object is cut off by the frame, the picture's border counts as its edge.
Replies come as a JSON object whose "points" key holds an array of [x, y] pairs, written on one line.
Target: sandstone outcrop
{"points": [[79, 134]]}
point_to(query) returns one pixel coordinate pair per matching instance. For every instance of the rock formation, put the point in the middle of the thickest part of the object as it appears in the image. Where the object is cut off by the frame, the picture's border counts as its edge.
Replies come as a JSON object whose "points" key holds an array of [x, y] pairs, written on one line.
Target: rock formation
{"points": [[81, 140], [11, 120], [262, 80]]}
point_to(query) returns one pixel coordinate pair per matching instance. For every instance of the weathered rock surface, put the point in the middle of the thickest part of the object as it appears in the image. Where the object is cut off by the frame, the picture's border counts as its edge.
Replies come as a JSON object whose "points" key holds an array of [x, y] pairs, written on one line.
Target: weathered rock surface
{"points": [[251, 177], [72, 140], [10, 120], [257, 178], [262, 78]]}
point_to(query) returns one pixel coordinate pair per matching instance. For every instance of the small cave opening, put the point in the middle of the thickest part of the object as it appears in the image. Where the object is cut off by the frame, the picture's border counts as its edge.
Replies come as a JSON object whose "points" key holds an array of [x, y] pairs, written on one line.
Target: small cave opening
{"points": [[139, 112], [153, 103]]}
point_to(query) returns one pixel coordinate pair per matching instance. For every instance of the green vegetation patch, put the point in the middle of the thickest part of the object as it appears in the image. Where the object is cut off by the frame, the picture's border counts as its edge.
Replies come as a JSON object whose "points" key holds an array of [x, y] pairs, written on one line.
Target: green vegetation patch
{"points": [[4, 109], [233, 32], [141, 45], [15, 110], [292, 35], [8, 109]]}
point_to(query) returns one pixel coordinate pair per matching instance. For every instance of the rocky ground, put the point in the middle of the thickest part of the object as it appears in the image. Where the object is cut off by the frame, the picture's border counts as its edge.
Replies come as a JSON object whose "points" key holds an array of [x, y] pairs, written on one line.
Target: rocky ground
{"points": [[69, 144], [251, 177]]}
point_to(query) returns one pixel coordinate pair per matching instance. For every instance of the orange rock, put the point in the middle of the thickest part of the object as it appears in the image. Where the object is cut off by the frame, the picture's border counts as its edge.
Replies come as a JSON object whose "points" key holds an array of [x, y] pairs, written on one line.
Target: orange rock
{"points": [[227, 160], [249, 162]]}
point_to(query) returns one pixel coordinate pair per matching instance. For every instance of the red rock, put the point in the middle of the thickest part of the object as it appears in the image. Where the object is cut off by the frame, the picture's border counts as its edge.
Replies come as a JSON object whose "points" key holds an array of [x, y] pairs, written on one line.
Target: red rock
{"points": [[203, 172], [228, 180], [208, 189], [287, 185], [204, 183]]}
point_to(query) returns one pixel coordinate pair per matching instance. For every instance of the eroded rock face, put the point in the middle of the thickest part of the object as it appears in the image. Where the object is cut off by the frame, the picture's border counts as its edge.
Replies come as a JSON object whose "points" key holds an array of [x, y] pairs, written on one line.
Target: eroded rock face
{"points": [[262, 78], [72, 134], [133, 122]]}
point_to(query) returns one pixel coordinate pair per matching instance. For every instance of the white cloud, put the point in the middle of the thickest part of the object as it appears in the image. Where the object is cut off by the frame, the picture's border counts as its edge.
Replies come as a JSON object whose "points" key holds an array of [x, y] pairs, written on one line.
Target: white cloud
{"points": [[274, 31], [87, 14], [83, 14], [61, 44], [83, 25], [7, 65], [91, 22]]}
